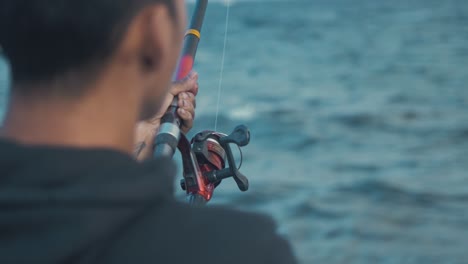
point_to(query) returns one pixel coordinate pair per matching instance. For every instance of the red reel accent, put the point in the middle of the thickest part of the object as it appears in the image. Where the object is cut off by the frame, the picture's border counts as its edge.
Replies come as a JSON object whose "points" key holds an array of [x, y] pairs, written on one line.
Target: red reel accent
{"points": [[210, 187]]}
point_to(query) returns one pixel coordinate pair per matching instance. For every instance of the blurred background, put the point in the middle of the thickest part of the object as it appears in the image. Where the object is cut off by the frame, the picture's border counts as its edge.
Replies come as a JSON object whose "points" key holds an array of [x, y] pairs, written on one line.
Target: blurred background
{"points": [[359, 118]]}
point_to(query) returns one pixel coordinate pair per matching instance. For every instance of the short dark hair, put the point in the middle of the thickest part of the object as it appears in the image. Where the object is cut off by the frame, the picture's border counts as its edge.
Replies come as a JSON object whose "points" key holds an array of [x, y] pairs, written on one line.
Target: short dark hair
{"points": [[45, 39]]}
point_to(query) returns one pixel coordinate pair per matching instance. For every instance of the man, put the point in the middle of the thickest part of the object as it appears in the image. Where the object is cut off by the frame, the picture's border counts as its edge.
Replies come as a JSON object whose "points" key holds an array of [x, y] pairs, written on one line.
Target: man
{"points": [[84, 73]]}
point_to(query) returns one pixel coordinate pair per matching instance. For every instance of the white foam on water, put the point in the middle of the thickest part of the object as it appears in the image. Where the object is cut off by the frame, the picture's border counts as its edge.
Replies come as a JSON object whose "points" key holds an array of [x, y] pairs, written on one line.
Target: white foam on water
{"points": [[247, 112]]}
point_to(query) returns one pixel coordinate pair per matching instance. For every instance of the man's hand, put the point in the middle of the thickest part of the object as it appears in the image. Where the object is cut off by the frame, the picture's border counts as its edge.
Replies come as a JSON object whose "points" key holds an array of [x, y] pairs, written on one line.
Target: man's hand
{"points": [[186, 90]]}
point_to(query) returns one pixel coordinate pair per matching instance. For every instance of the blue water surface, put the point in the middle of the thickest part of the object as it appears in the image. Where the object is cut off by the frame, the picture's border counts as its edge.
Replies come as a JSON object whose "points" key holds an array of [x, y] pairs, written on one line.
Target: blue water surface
{"points": [[359, 118]]}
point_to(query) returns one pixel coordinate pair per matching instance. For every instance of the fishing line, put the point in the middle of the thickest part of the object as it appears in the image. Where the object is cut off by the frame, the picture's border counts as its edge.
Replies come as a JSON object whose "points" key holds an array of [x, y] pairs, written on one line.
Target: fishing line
{"points": [[228, 4]]}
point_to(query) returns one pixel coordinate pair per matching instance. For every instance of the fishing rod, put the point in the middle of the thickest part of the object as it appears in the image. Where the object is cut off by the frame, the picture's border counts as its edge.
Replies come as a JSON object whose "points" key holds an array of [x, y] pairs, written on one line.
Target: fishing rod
{"points": [[208, 158]]}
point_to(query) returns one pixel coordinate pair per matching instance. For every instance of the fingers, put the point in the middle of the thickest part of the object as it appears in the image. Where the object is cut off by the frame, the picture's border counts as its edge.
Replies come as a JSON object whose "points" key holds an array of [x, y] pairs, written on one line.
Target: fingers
{"points": [[187, 120], [188, 103], [186, 110], [188, 84], [186, 90]]}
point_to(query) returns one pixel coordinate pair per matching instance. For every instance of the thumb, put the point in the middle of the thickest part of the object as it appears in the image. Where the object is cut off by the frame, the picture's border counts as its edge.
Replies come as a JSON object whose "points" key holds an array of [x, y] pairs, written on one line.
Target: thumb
{"points": [[188, 84]]}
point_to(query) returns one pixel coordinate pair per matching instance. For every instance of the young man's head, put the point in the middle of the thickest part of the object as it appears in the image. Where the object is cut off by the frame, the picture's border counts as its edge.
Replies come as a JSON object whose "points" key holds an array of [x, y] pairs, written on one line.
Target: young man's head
{"points": [[67, 48]]}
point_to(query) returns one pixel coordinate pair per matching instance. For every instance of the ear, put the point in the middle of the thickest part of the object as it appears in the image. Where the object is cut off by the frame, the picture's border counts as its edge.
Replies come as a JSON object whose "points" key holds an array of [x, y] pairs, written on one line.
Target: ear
{"points": [[148, 38], [158, 36]]}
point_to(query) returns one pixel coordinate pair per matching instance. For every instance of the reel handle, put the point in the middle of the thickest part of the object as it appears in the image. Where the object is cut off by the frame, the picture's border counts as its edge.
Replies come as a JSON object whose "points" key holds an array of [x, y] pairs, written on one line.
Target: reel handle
{"points": [[219, 175], [240, 136], [241, 180]]}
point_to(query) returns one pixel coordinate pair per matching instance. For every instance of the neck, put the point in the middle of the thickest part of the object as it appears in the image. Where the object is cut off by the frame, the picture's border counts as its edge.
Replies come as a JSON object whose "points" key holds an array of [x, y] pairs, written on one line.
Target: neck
{"points": [[94, 121]]}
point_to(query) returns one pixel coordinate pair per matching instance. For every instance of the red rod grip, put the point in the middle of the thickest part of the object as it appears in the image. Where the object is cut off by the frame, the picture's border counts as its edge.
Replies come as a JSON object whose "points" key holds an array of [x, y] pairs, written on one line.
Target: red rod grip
{"points": [[185, 66]]}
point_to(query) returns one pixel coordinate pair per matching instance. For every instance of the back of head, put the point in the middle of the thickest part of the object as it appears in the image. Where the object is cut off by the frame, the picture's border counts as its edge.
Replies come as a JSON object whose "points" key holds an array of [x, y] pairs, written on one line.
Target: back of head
{"points": [[46, 40]]}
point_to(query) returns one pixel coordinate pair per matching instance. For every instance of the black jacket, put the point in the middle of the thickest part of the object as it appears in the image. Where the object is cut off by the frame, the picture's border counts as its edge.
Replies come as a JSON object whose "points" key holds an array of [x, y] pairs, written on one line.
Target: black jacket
{"points": [[63, 205]]}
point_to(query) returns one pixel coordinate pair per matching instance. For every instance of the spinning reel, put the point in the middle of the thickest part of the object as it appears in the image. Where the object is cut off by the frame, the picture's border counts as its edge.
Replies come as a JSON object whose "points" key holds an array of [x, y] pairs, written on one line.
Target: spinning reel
{"points": [[208, 159]]}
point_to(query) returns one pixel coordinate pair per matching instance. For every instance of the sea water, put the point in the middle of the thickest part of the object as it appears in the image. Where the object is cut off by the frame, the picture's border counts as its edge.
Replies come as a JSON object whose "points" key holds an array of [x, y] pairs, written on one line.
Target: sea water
{"points": [[359, 119]]}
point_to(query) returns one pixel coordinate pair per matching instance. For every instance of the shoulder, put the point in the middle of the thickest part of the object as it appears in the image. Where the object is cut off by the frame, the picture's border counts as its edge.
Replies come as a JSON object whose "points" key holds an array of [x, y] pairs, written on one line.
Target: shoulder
{"points": [[177, 233]]}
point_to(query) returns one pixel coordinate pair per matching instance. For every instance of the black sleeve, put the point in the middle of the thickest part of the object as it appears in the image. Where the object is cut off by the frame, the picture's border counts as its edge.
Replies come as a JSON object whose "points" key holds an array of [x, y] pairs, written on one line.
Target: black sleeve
{"points": [[281, 252], [176, 233], [269, 247]]}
